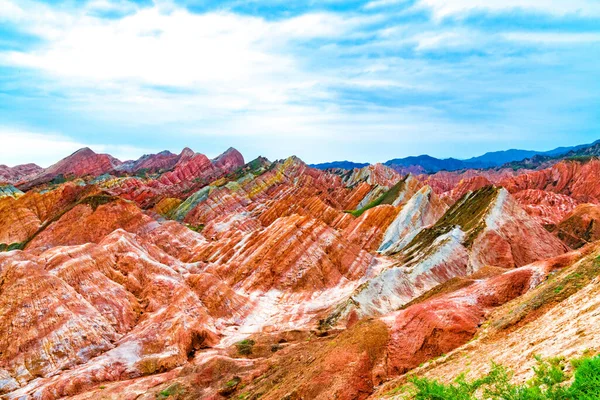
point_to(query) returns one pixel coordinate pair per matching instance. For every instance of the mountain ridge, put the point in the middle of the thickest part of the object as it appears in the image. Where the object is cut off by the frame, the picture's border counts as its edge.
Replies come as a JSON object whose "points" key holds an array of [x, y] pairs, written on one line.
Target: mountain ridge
{"points": [[428, 164]]}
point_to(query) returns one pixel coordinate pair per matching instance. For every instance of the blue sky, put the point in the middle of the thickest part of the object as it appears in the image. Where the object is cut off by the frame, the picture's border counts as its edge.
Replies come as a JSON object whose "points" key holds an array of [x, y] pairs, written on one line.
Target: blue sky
{"points": [[325, 80]]}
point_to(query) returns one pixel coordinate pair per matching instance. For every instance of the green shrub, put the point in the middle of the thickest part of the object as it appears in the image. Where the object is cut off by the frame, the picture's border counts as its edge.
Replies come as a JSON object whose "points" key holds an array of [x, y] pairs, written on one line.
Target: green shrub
{"points": [[245, 346], [142, 173], [172, 391], [195, 228], [12, 246], [58, 179], [548, 383], [586, 385]]}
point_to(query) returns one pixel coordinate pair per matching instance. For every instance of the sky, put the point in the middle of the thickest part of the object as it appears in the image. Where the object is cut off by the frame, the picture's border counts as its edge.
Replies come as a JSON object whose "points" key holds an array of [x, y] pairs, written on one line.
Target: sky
{"points": [[361, 80]]}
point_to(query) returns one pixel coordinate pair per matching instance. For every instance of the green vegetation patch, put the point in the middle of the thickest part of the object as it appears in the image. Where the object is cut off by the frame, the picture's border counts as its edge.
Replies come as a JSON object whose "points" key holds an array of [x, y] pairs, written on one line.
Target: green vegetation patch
{"points": [[98, 200], [12, 246], [468, 213], [142, 173], [556, 289], [195, 228], [58, 179], [386, 198], [255, 167], [245, 346], [581, 158], [172, 391], [549, 383]]}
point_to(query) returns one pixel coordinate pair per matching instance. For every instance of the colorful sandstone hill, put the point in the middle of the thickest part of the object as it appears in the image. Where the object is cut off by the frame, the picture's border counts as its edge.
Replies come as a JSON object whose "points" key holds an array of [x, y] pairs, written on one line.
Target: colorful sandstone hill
{"points": [[177, 276]]}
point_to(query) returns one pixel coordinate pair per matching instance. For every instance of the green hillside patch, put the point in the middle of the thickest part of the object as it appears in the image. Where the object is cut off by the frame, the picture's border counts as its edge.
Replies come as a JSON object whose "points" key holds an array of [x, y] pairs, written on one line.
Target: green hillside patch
{"points": [[255, 167], [387, 198], [468, 213], [12, 246], [557, 288], [550, 382], [98, 200]]}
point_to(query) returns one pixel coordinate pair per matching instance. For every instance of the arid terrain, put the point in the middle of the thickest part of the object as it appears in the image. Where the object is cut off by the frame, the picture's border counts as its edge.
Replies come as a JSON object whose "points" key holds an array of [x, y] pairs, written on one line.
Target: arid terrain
{"points": [[177, 276]]}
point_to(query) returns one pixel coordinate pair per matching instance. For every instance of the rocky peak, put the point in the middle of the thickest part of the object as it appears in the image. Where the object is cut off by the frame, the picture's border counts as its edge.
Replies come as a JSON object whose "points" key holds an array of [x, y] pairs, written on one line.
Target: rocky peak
{"points": [[230, 160], [187, 153]]}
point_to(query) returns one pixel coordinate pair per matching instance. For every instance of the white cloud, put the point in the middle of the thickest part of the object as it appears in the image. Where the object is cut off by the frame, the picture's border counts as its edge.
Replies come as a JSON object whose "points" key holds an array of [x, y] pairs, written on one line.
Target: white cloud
{"points": [[23, 146], [219, 62], [162, 71], [446, 39], [383, 3], [19, 147], [173, 47], [552, 37], [445, 8]]}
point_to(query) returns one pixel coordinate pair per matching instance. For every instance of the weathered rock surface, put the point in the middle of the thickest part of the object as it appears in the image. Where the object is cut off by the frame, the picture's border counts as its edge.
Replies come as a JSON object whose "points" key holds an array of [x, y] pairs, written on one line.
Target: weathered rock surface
{"points": [[21, 218], [150, 163], [422, 210], [572, 178], [485, 227], [18, 173], [546, 207], [432, 328], [81, 163], [211, 278], [580, 227], [445, 181], [377, 174]]}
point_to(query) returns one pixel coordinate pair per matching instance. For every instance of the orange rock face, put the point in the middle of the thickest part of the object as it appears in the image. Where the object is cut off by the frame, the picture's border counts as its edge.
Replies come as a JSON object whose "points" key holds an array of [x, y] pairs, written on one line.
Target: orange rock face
{"points": [[581, 226], [22, 217], [572, 178], [90, 222], [546, 207], [427, 330]]}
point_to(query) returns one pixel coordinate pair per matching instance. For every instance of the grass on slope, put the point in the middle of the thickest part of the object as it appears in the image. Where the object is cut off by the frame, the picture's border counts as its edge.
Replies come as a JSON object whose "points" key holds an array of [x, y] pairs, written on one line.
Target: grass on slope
{"points": [[468, 213], [549, 383], [386, 198], [256, 167], [555, 289]]}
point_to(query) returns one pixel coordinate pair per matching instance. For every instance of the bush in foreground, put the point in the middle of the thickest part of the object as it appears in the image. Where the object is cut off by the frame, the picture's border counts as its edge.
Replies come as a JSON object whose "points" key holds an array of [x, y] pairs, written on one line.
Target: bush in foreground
{"points": [[549, 383]]}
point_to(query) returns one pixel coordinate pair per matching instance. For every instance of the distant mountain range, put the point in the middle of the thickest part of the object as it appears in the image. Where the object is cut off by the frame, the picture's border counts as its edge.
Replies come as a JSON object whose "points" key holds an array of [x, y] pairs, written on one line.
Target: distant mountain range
{"points": [[428, 164], [544, 160], [339, 164]]}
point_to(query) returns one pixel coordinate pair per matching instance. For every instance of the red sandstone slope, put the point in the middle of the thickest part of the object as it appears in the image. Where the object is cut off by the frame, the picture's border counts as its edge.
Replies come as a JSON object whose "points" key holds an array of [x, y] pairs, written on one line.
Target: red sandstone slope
{"points": [[18, 173], [572, 178], [230, 160], [190, 172], [150, 163], [581, 226], [81, 163]]}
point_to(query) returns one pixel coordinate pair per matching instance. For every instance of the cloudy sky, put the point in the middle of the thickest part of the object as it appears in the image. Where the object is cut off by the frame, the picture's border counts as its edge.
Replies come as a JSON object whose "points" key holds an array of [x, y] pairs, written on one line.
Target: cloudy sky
{"points": [[325, 80]]}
